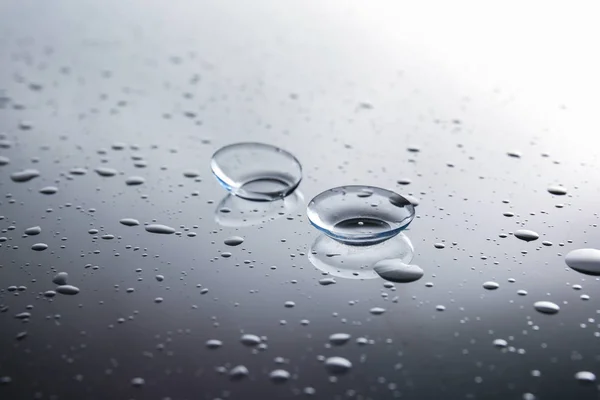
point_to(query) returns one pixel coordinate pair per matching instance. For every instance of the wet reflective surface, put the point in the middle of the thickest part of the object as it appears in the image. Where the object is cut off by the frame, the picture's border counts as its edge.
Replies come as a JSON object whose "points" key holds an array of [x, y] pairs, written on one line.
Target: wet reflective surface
{"points": [[116, 276]]}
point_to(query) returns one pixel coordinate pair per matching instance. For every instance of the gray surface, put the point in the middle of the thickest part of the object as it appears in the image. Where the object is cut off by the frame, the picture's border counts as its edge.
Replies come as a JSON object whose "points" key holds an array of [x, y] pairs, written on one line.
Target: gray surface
{"points": [[346, 87]]}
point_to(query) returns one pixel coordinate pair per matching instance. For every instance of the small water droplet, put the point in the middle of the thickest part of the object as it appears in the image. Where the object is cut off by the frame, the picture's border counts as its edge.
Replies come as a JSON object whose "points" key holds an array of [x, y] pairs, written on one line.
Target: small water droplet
{"points": [[238, 373], [129, 222], [34, 230], [585, 376], [161, 229], [105, 171], [24, 175], [337, 365], [234, 241], [500, 343], [439, 245], [213, 344], [191, 173], [49, 190], [250, 340], [327, 281], [135, 180], [279, 376], [138, 382], [39, 247], [526, 235], [67, 289], [377, 310], [557, 190], [60, 278], [490, 285], [546, 307], [339, 339], [4, 161]]}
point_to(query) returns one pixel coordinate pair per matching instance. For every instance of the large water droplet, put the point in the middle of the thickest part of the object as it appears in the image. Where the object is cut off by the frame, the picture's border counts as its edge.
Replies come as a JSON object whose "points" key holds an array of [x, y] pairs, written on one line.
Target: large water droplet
{"points": [[24, 175], [347, 217], [256, 171], [4, 161], [337, 365], [546, 307], [395, 270], [161, 229], [586, 261], [526, 235]]}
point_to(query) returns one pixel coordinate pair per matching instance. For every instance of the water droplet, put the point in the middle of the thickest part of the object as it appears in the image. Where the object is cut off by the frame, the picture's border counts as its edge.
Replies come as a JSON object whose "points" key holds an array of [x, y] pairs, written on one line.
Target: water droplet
{"points": [[514, 153], [138, 382], [557, 190], [585, 377], [377, 310], [522, 292], [339, 339], [191, 173], [67, 289], [160, 278], [78, 171], [404, 181], [234, 241], [23, 315], [39, 247], [24, 175], [239, 372], [289, 304], [161, 229], [256, 171], [395, 270], [279, 376], [213, 344], [135, 180], [586, 261], [105, 171], [21, 335], [526, 235], [226, 254], [158, 300], [439, 245], [546, 307], [250, 340], [500, 343], [129, 222], [440, 308], [348, 218], [49, 190], [60, 278], [34, 230], [547, 243], [49, 293], [490, 285], [327, 281], [4, 161], [337, 365]]}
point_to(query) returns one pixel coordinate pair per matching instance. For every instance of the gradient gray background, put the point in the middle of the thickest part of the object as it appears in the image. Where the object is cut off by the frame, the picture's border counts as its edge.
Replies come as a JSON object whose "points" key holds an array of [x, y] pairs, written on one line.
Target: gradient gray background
{"points": [[346, 86]]}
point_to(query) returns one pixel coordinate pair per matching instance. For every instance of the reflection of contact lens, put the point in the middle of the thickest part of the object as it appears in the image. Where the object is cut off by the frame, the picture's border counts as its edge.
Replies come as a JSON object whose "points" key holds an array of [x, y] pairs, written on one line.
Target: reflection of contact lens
{"points": [[360, 215], [256, 171], [236, 212], [356, 262]]}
